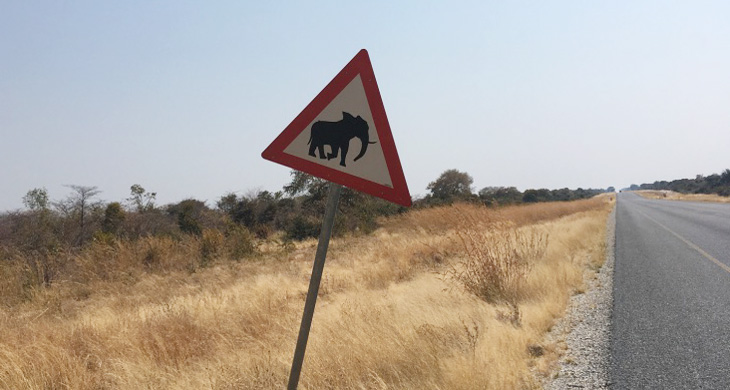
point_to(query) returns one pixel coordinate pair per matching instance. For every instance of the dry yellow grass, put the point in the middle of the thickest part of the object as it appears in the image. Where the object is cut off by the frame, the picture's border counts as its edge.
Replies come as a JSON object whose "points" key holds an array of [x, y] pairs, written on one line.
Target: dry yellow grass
{"points": [[671, 195], [389, 315]]}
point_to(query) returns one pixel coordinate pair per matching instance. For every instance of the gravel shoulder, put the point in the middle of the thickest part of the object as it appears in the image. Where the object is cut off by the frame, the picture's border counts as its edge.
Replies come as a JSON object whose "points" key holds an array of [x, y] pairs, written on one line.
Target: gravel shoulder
{"points": [[586, 329]]}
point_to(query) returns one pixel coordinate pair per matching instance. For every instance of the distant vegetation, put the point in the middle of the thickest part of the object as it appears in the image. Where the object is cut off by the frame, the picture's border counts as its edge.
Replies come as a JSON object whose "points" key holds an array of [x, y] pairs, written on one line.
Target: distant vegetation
{"points": [[47, 234], [713, 184], [43, 238], [454, 185], [296, 211]]}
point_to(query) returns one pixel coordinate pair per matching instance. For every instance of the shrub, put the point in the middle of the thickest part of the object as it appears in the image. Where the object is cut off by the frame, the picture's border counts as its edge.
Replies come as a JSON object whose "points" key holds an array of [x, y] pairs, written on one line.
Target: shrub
{"points": [[451, 185], [302, 227], [114, 216], [103, 238], [240, 242], [189, 213], [497, 262], [211, 246], [45, 266], [34, 231]]}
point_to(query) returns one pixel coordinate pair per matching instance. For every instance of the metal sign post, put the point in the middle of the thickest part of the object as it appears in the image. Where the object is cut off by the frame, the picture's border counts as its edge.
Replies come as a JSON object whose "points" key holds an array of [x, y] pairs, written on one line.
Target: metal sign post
{"points": [[324, 240]]}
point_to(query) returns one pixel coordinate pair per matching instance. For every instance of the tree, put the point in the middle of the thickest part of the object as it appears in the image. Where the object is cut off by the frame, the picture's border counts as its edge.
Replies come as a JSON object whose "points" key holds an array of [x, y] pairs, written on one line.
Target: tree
{"points": [[77, 206], [141, 200], [358, 211], [725, 177], [302, 183], [508, 195], [496, 196], [34, 230], [114, 215], [451, 185], [563, 194], [257, 211], [189, 214], [530, 196], [227, 203], [36, 199], [266, 205]]}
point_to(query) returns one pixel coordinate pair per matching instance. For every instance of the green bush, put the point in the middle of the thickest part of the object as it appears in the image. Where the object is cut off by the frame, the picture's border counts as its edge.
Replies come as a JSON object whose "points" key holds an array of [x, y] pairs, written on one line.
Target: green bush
{"points": [[302, 227], [189, 213], [114, 216]]}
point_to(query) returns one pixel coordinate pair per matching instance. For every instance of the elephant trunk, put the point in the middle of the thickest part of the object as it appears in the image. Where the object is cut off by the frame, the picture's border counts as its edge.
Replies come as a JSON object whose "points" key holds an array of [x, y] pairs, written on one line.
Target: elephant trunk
{"points": [[365, 143]]}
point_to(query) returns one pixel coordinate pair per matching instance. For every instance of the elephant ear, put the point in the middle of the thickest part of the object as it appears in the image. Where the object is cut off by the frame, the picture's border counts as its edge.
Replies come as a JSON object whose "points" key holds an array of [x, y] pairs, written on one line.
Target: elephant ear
{"points": [[346, 116]]}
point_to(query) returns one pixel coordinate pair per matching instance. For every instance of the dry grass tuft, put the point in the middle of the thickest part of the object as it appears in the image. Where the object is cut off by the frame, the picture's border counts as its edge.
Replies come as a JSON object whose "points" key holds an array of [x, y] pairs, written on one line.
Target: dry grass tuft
{"points": [[497, 261]]}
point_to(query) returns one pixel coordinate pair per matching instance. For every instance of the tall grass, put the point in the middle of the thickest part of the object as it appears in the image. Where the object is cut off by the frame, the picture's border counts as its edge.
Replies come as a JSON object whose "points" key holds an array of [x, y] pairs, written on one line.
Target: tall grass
{"points": [[386, 317], [115, 260], [497, 261]]}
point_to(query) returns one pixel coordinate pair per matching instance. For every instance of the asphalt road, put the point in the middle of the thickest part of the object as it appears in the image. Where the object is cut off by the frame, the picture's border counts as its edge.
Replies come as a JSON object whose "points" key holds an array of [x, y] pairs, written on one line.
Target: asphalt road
{"points": [[671, 311]]}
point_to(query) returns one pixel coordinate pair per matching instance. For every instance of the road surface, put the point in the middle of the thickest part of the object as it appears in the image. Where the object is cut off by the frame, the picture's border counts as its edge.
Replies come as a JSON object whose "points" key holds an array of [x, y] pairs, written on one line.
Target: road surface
{"points": [[671, 312]]}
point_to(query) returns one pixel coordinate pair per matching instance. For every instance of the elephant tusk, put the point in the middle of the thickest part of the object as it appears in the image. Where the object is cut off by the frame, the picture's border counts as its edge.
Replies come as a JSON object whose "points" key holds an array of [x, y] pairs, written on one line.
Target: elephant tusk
{"points": [[373, 142]]}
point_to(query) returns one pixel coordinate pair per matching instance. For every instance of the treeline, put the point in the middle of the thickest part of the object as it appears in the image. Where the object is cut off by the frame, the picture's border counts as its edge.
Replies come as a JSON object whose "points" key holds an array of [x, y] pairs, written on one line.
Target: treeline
{"points": [[50, 226], [295, 211], [713, 184], [454, 185], [81, 238]]}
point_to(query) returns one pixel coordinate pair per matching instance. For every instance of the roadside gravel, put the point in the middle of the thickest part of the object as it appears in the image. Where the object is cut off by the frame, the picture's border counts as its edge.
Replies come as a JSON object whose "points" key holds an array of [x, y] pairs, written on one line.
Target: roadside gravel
{"points": [[586, 329]]}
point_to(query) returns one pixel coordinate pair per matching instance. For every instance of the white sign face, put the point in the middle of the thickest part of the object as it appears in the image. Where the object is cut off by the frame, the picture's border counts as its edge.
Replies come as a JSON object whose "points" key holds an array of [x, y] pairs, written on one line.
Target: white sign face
{"points": [[335, 137]]}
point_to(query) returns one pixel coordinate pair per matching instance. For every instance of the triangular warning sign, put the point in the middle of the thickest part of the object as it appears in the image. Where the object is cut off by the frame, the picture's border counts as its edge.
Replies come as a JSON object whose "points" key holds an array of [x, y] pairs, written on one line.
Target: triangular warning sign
{"points": [[343, 136]]}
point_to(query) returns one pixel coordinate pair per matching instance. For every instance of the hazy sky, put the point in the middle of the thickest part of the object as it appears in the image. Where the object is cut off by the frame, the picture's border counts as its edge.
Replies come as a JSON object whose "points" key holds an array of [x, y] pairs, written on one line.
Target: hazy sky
{"points": [[182, 97]]}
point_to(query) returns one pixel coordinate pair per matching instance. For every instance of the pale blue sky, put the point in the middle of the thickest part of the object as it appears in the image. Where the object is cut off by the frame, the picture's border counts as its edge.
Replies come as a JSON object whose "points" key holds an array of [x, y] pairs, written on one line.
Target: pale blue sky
{"points": [[182, 97]]}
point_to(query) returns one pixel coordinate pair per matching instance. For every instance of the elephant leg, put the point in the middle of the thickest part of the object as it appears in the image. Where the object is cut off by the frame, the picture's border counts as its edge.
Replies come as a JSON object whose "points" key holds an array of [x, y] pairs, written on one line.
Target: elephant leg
{"points": [[320, 149], [312, 146], [335, 151], [345, 146]]}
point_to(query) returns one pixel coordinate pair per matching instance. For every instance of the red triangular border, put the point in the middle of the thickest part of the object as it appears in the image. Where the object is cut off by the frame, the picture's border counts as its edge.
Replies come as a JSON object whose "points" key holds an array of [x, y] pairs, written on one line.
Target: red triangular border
{"points": [[361, 65]]}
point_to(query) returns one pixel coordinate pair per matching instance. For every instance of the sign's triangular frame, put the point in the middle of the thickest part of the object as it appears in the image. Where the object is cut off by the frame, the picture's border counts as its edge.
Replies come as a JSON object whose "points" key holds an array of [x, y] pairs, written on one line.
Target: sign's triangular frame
{"points": [[359, 65]]}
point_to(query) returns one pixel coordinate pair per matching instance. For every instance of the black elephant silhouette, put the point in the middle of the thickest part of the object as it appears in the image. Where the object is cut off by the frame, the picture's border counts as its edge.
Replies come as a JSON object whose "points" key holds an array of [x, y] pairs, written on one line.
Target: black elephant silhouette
{"points": [[338, 135]]}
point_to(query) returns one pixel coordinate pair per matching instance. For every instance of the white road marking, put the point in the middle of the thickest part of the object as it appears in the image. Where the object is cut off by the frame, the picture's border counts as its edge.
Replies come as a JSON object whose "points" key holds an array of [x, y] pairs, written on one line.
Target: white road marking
{"points": [[690, 244]]}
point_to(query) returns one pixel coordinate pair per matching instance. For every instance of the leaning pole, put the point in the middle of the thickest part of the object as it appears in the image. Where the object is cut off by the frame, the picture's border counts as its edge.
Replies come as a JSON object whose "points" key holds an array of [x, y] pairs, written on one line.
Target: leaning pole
{"points": [[333, 199]]}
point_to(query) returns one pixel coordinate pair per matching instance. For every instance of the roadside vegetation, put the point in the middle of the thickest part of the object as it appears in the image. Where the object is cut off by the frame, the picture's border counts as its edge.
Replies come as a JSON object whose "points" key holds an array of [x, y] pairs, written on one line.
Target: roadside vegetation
{"points": [[715, 184], [450, 295], [671, 195]]}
